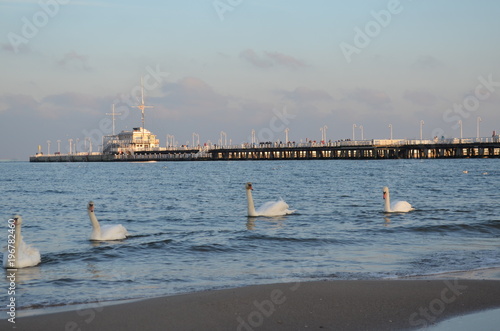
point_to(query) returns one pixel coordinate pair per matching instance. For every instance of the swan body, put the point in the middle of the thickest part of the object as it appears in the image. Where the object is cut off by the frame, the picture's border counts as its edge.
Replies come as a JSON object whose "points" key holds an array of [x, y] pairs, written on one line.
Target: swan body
{"points": [[24, 254], [104, 232], [396, 207], [270, 208]]}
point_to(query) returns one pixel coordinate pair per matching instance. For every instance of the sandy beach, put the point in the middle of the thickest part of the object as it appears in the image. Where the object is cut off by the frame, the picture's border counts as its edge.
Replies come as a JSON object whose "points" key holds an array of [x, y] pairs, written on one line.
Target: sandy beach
{"points": [[328, 305]]}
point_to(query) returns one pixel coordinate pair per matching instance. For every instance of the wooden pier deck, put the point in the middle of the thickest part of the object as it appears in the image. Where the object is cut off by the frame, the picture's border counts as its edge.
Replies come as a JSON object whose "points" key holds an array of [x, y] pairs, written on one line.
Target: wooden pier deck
{"points": [[345, 150]]}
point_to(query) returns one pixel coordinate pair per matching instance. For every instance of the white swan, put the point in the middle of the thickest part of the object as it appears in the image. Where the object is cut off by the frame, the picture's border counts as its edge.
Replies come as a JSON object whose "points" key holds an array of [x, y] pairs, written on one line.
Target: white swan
{"points": [[21, 254], [270, 208], [396, 207], [105, 232]]}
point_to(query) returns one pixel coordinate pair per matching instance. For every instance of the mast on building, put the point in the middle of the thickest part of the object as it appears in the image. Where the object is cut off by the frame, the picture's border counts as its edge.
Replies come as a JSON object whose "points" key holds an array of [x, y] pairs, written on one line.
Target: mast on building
{"points": [[142, 106], [113, 114]]}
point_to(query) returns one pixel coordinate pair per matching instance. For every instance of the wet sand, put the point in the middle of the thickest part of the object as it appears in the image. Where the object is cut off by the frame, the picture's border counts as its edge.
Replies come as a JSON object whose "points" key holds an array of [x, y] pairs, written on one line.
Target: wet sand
{"points": [[326, 305]]}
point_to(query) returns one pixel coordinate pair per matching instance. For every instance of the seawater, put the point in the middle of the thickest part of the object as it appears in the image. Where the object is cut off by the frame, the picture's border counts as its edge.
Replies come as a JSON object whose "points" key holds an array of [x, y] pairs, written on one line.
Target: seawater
{"points": [[189, 230]]}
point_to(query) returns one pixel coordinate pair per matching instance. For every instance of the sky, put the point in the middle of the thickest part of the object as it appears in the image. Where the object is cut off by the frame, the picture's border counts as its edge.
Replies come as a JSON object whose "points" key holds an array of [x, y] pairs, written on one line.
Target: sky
{"points": [[234, 66]]}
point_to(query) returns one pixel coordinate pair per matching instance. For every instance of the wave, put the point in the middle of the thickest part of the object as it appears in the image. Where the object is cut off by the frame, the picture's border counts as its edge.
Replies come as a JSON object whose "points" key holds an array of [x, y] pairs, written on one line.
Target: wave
{"points": [[212, 248], [487, 228], [269, 238]]}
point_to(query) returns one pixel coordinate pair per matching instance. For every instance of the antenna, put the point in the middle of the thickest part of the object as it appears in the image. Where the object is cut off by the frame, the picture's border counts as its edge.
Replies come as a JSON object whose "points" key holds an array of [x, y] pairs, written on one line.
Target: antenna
{"points": [[142, 107], [113, 114], [142, 91]]}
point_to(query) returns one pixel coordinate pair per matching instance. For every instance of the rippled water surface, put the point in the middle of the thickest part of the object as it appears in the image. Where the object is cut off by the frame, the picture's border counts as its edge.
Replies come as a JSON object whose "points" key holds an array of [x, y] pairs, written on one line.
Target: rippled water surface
{"points": [[189, 230]]}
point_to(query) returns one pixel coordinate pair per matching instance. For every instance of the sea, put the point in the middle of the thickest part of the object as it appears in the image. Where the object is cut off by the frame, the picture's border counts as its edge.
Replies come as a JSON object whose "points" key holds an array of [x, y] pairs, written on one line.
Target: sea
{"points": [[189, 230]]}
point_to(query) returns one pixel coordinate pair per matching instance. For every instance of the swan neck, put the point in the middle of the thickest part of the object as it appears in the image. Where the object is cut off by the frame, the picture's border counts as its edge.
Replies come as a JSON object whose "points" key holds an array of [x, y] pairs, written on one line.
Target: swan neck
{"points": [[18, 240], [93, 220], [251, 206], [387, 206]]}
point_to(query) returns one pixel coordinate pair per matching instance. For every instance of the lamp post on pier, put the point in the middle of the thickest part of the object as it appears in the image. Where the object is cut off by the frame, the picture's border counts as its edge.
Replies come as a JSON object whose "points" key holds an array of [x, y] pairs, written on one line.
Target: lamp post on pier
{"points": [[461, 129], [195, 135], [223, 142], [421, 126], [479, 120], [323, 133], [90, 145]]}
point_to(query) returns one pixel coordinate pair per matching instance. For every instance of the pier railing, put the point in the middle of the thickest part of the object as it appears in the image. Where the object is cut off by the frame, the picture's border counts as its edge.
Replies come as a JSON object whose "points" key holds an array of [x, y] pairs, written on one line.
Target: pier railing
{"points": [[356, 143]]}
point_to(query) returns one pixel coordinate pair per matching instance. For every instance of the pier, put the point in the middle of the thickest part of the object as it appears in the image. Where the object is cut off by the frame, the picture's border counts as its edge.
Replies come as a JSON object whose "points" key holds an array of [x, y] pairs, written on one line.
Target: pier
{"points": [[375, 149], [141, 145]]}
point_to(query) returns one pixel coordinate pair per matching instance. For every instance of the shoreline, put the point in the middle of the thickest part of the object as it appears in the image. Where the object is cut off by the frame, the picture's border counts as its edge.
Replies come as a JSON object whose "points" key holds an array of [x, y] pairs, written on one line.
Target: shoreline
{"points": [[341, 304], [486, 273]]}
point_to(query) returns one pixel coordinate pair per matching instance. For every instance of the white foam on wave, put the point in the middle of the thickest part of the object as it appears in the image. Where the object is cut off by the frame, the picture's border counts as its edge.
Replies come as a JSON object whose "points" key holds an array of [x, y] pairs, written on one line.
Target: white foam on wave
{"points": [[492, 273]]}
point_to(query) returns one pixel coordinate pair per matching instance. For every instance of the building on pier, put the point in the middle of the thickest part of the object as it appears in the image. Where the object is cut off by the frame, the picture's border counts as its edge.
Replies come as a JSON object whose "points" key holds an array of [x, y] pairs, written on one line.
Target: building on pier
{"points": [[130, 142]]}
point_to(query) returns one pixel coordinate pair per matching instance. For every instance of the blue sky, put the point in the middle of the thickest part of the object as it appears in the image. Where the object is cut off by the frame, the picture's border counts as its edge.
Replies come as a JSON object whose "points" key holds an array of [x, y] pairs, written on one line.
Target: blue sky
{"points": [[238, 65]]}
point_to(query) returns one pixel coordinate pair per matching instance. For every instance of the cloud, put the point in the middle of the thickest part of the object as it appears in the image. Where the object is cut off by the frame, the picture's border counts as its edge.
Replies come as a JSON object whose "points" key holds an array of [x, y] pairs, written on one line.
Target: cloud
{"points": [[421, 98], [18, 103], [191, 101], [7, 47], [64, 104], [75, 61], [306, 95], [190, 95], [427, 62], [55, 106], [285, 60], [373, 98], [53, 117], [181, 107], [271, 59], [258, 61], [304, 100]]}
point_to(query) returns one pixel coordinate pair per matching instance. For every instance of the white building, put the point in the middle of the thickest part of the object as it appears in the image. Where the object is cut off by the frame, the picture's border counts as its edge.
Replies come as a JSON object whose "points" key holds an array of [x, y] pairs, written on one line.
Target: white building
{"points": [[129, 142]]}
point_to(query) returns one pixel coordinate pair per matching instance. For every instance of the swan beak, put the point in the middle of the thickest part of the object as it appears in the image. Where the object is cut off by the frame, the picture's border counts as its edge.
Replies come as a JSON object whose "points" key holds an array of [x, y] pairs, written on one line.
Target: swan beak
{"points": [[384, 195], [91, 208]]}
